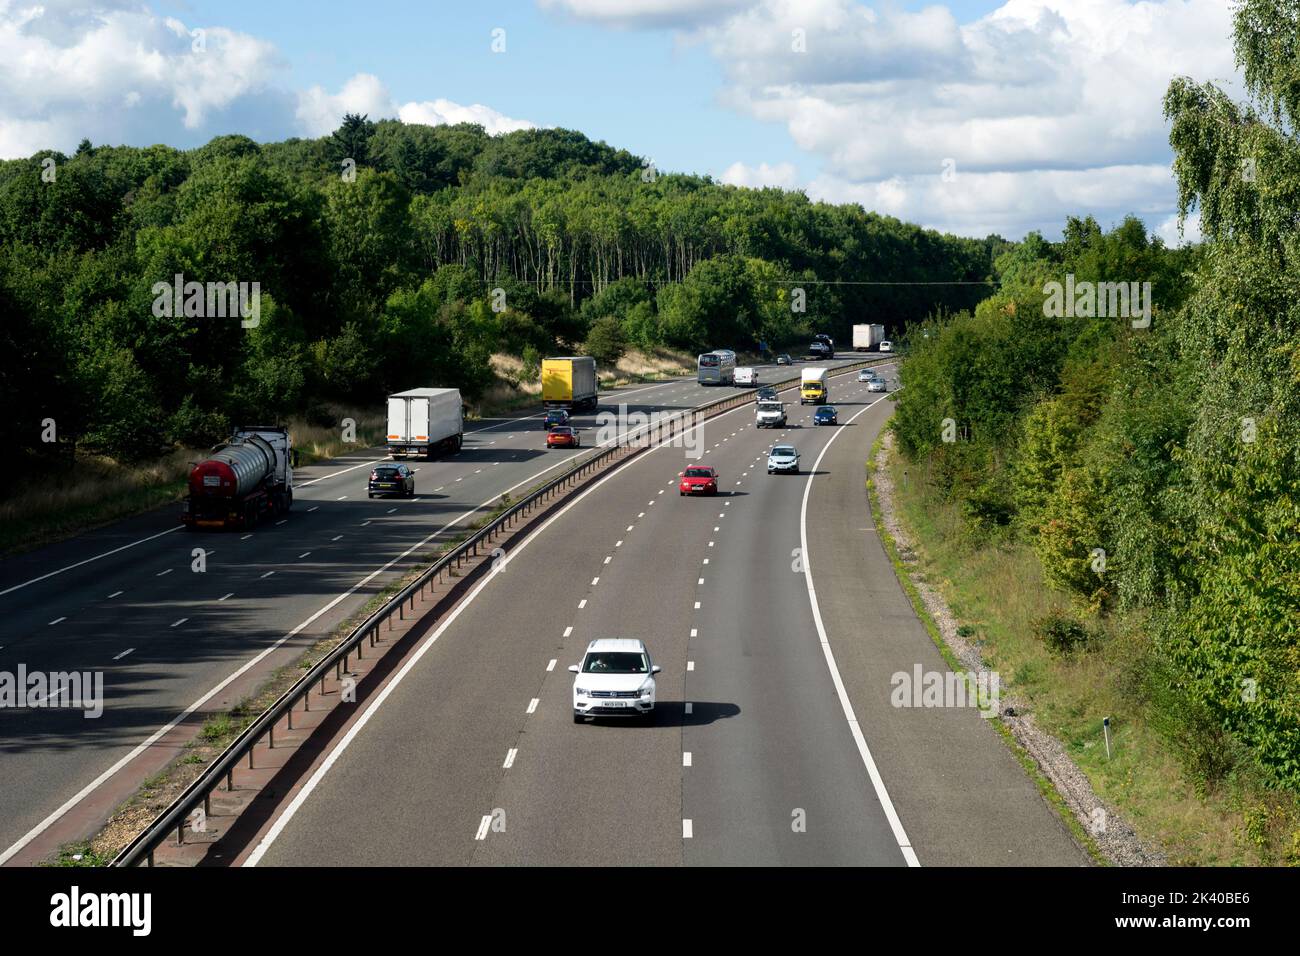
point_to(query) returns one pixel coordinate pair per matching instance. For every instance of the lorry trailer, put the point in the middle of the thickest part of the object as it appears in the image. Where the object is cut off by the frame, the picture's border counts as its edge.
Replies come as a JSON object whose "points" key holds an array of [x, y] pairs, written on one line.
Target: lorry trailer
{"points": [[242, 480], [569, 382], [422, 421]]}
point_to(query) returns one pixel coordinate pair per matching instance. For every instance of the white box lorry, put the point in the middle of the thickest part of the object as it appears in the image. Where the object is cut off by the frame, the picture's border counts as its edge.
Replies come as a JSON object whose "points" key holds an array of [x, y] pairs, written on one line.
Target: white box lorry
{"points": [[422, 421], [866, 338]]}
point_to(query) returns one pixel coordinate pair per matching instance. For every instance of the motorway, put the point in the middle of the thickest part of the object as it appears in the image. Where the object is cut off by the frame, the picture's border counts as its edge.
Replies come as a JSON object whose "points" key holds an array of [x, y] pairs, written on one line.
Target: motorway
{"points": [[126, 601], [778, 622]]}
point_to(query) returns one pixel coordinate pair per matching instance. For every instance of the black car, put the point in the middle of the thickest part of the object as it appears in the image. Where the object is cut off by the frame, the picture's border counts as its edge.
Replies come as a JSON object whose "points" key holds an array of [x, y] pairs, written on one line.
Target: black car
{"points": [[394, 479], [766, 394], [556, 416], [826, 415]]}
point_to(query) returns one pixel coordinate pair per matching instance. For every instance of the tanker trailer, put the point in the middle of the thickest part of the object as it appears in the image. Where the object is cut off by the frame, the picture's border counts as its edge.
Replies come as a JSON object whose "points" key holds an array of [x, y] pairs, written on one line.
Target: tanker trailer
{"points": [[242, 480]]}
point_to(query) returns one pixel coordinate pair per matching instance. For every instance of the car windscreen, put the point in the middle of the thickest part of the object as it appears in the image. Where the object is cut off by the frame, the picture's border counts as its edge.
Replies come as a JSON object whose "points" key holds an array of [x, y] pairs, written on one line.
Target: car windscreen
{"points": [[561, 430], [698, 473], [616, 662], [783, 450]]}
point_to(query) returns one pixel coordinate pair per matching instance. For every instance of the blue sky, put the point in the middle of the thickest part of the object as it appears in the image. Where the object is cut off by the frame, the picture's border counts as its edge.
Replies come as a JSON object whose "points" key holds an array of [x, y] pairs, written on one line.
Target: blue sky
{"points": [[971, 116]]}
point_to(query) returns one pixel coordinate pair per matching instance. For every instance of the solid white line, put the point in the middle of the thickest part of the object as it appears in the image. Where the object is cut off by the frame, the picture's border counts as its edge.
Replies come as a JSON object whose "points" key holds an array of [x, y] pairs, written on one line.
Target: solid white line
{"points": [[301, 797], [877, 782], [88, 560]]}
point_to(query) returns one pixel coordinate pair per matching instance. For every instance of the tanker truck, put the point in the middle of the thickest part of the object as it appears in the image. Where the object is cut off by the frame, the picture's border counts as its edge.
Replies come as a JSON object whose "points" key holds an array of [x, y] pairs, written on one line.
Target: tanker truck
{"points": [[242, 480]]}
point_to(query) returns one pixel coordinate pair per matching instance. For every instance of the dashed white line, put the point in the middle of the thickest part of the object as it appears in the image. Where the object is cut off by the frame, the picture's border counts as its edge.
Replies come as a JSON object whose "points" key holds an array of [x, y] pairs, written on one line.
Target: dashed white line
{"points": [[695, 632], [57, 620], [686, 758], [551, 666], [595, 581], [690, 665], [180, 622], [532, 705], [568, 630], [582, 604], [303, 555], [510, 758], [230, 595], [688, 830], [609, 558], [336, 537], [161, 573], [483, 827], [113, 595], [124, 653], [268, 574]]}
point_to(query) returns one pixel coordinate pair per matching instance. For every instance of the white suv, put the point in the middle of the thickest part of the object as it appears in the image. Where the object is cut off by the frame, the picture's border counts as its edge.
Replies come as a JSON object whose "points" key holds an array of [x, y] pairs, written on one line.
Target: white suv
{"points": [[615, 679]]}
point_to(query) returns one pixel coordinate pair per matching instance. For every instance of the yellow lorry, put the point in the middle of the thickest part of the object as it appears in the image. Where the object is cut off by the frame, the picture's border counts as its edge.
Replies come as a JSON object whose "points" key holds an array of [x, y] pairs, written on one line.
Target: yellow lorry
{"points": [[569, 382], [812, 388]]}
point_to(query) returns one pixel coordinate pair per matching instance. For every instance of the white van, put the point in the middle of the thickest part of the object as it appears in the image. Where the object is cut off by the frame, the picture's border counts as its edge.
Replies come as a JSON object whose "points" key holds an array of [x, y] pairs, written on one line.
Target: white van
{"points": [[746, 376]]}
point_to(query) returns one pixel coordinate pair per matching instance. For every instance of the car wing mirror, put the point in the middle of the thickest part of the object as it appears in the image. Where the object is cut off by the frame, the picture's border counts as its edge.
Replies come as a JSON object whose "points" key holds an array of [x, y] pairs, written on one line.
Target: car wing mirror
{"points": [[573, 668], [655, 669]]}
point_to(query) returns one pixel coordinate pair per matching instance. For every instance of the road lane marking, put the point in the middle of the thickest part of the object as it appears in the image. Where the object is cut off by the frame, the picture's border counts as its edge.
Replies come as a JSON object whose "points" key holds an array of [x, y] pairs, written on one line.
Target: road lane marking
{"points": [[690, 665], [124, 653], [482, 828], [686, 758], [268, 574], [697, 605], [303, 555], [161, 573], [113, 595], [336, 537], [551, 666], [105, 554], [310, 510], [595, 581], [57, 620], [510, 758], [568, 630], [877, 782], [180, 622], [609, 558], [532, 705], [230, 595], [688, 829], [695, 632]]}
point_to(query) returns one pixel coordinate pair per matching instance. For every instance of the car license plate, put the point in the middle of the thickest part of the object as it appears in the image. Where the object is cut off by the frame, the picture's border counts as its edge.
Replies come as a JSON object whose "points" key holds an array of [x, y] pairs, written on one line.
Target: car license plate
{"points": [[616, 703]]}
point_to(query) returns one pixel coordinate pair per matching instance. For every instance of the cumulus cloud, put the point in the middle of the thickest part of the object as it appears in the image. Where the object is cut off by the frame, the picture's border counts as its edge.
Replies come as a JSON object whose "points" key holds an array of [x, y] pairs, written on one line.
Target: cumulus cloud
{"points": [[115, 72], [1040, 101], [782, 175], [101, 70], [320, 112]]}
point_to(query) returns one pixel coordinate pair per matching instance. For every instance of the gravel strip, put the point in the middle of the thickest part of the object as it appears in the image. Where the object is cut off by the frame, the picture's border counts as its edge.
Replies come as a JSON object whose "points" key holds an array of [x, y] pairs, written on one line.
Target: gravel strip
{"points": [[1115, 838]]}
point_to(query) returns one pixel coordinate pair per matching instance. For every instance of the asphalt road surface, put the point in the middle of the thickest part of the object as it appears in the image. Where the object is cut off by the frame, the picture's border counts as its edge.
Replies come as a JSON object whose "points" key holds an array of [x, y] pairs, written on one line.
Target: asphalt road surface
{"points": [[472, 756], [126, 601]]}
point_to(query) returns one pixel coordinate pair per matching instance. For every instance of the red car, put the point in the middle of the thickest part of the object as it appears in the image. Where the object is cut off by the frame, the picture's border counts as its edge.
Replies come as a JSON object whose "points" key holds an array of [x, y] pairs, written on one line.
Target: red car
{"points": [[699, 481], [562, 436]]}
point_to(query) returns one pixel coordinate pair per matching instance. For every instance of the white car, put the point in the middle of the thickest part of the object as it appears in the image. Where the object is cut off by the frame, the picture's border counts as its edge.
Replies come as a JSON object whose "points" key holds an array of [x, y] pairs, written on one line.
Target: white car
{"points": [[886, 346], [876, 385], [783, 458], [615, 679], [866, 374]]}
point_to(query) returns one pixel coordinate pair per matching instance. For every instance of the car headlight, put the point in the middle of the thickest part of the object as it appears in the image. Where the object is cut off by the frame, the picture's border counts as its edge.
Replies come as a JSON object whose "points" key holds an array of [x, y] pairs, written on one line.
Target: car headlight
{"points": [[647, 691], [581, 692]]}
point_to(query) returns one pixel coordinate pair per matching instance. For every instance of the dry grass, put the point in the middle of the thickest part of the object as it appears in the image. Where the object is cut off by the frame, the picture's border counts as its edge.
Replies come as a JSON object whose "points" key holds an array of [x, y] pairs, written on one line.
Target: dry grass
{"points": [[998, 591]]}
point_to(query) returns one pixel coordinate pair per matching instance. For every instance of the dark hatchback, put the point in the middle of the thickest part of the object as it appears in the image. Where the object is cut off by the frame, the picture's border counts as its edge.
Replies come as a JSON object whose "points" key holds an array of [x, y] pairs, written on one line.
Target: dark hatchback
{"points": [[392, 480], [826, 415], [556, 416]]}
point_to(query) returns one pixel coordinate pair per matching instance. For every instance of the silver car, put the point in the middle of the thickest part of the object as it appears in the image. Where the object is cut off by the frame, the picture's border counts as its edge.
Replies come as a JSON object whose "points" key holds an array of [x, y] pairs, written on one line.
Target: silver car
{"points": [[866, 374], [783, 458], [876, 385]]}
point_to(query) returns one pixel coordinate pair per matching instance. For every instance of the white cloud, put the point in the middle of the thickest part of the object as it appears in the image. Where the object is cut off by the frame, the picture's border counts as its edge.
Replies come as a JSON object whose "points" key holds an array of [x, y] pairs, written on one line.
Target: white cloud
{"points": [[437, 112], [782, 175], [1056, 106], [114, 72], [320, 112], [70, 69]]}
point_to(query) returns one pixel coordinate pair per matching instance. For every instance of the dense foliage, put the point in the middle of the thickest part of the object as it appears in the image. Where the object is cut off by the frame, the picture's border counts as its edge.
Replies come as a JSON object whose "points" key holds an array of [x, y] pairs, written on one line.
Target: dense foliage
{"points": [[377, 251], [1156, 470]]}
